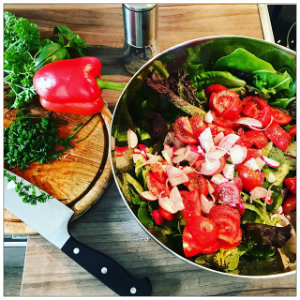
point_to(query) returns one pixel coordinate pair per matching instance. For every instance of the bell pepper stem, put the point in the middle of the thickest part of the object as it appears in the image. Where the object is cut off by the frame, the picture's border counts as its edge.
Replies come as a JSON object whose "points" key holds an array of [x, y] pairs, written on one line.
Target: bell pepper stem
{"points": [[110, 85]]}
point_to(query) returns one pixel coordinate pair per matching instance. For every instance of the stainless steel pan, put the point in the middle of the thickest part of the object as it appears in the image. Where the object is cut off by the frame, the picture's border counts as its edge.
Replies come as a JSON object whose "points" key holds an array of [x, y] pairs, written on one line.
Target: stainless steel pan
{"points": [[211, 49]]}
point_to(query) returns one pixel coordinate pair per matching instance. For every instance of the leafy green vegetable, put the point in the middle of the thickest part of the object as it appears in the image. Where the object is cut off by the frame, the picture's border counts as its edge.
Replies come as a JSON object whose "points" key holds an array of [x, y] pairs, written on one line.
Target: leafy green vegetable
{"points": [[143, 215], [35, 138], [131, 180], [291, 150], [256, 213], [28, 193], [261, 73], [74, 42], [276, 154], [282, 102], [50, 53], [205, 79], [223, 259], [266, 150], [241, 59], [281, 172]]}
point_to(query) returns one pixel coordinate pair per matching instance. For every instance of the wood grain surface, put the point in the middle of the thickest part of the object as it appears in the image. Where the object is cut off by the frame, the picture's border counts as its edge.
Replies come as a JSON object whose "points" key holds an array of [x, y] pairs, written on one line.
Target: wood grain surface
{"points": [[109, 227]]}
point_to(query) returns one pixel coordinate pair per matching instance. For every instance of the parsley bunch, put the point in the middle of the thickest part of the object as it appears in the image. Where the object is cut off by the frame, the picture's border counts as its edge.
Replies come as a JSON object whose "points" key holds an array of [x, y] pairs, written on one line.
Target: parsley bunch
{"points": [[21, 41]]}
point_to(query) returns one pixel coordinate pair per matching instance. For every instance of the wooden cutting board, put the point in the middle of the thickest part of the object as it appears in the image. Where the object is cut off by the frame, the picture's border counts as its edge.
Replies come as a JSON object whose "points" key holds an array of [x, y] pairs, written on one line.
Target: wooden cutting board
{"points": [[80, 176]]}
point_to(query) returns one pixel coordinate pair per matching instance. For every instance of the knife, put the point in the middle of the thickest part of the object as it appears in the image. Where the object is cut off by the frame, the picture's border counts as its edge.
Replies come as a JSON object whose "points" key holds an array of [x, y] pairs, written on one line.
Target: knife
{"points": [[51, 220]]}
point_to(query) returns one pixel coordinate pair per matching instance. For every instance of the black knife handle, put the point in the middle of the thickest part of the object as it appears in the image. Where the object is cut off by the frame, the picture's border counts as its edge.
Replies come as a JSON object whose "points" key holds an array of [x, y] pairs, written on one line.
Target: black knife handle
{"points": [[107, 270]]}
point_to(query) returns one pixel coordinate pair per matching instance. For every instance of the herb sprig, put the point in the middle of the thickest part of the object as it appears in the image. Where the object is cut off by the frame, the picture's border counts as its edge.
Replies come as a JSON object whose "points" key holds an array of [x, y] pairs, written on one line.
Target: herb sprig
{"points": [[27, 192], [35, 138]]}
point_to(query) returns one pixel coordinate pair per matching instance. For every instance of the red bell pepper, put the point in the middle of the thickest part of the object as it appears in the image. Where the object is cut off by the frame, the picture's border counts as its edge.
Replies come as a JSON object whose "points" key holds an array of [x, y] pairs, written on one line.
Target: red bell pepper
{"points": [[72, 86], [278, 136], [292, 130]]}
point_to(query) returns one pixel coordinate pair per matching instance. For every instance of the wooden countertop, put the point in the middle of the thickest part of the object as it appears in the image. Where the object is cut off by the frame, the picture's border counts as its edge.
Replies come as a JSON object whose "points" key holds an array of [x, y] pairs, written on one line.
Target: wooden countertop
{"points": [[109, 226]]}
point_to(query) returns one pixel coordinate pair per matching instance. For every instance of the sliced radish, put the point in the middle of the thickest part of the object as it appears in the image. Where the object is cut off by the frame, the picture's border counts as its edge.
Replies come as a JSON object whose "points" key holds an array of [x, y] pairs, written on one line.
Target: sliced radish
{"points": [[250, 122], [208, 118], [251, 163], [176, 176], [121, 149], [143, 147], [218, 138], [271, 177], [228, 171], [270, 162], [167, 204], [206, 139], [206, 205], [260, 163], [158, 218], [174, 140], [215, 153], [210, 167], [238, 154], [137, 155], [176, 198], [228, 141], [168, 154], [132, 138], [167, 146], [218, 179], [210, 188], [148, 196]]}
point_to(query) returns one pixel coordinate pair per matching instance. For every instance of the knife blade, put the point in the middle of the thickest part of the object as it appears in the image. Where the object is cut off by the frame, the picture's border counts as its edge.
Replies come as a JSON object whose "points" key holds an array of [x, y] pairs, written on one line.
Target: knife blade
{"points": [[51, 220]]}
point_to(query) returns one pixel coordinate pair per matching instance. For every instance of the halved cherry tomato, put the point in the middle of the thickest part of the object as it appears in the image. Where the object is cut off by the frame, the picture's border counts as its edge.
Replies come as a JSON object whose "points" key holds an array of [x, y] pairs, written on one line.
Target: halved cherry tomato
{"points": [[158, 218], [226, 245], [280, 117], [191, 247], [158, 172], [228, 193], [225, 210], [228, 224], [250, 178], [203, 229], [197, 125], [226, 104], [289, 204], [157, 188], [291, 184], [244, 141], [257, 108], [192, 205], [257, 138], [292, 130], [222, 122], [252, 153], [214, 88], [166, 214], [183, 131], [197, 182], [215, 129], [278, 136]]}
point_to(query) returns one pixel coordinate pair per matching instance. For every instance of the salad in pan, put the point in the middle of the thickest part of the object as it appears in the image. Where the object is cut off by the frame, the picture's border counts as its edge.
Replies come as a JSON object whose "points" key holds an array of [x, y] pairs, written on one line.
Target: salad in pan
{"points": [[209, 164]]}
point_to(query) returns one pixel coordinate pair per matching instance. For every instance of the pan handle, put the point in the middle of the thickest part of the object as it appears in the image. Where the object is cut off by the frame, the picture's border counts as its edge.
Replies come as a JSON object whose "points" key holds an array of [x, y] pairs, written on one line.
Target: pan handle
{"points": [[106, 270]]}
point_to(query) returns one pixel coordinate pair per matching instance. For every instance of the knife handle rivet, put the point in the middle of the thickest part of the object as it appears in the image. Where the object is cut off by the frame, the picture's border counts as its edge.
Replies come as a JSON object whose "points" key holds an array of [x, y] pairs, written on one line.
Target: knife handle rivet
{"points": [[104, 270], [76, 250], [133, 290]]}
